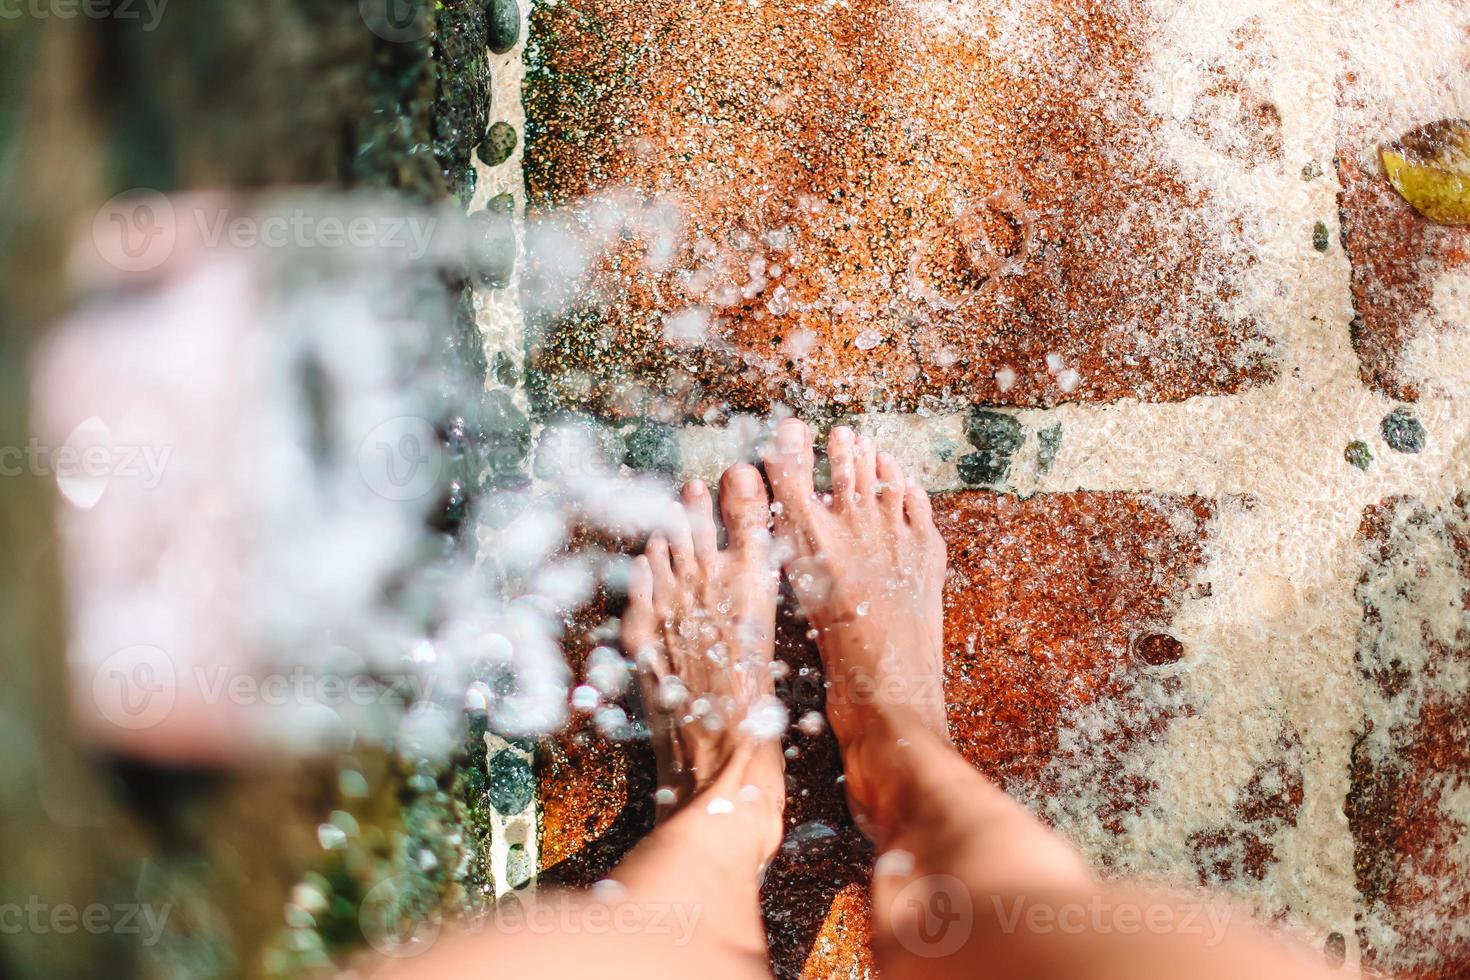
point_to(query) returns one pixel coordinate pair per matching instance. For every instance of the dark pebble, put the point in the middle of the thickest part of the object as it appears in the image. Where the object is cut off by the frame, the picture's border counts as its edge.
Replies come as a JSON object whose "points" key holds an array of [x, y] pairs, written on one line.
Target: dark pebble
{"points": [[1335, 950], [653, 447], [499, 143], [983, 468], [1358, 454], [502, 24], [1051, 443], [505, 369], [992, 430], [1321, 238], [511, 783], [507, 433], [1158, 649], [1403, 432], [492, 257]]}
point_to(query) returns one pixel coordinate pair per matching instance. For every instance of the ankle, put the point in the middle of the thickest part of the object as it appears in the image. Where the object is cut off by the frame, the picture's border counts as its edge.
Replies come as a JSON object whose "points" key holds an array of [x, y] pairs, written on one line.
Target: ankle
{"points": [[889, 761], [743, 805]]}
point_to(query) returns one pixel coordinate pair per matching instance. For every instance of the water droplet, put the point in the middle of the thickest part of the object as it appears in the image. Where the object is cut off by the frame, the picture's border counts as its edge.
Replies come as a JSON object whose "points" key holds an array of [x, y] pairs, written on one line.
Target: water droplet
{"points": [[812, 723], [897, 862]]}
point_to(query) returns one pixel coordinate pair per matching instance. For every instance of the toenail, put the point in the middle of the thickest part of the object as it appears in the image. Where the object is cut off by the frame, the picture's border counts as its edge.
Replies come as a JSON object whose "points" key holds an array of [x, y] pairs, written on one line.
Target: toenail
{"points": [[842, 434], [695, 488], [744, 481]]}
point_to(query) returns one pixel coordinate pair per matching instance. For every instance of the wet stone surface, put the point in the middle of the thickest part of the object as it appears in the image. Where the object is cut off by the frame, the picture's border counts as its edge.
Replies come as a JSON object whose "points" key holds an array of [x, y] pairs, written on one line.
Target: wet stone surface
{"points": [[841, 253], [1411, 763]]}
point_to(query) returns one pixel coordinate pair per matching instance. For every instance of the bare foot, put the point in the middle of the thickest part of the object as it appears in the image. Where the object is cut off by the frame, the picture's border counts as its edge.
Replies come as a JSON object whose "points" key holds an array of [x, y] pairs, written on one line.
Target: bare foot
{"points": [[700, 624], [868, 568]]}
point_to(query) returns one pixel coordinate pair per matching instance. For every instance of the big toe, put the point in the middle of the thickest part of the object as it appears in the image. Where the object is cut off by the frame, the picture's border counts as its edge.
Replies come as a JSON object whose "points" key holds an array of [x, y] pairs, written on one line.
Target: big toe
{"points": [[789, 462]]}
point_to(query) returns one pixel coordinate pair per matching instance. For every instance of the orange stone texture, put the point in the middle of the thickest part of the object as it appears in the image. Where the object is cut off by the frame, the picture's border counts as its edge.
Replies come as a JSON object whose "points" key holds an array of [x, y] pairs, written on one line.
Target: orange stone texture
{"points": [[876, 210], [1397, 255]]}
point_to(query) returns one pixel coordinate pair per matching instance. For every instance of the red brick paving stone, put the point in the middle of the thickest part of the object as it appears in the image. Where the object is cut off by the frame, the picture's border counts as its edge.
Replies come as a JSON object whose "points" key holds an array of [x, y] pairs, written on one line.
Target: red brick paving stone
{"points": [[1397, 255], [594, 794], [1410, 832], [843, 944], [1044, 599], [940, 204]]}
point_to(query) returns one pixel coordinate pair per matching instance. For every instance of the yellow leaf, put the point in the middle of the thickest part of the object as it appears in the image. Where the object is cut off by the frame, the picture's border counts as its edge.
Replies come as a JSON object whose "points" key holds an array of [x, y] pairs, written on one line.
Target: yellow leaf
{"points": [[1430, 167]]}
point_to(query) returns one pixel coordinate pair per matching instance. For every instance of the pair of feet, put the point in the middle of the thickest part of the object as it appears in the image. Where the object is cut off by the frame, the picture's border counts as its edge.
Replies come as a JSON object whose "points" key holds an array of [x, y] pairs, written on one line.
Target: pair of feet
{"points": [[866, 563]]}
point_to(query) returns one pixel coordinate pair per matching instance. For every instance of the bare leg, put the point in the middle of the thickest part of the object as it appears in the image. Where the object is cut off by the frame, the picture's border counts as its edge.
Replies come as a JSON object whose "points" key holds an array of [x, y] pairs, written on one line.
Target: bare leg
{"points": [[968, 882], [685, 903]]}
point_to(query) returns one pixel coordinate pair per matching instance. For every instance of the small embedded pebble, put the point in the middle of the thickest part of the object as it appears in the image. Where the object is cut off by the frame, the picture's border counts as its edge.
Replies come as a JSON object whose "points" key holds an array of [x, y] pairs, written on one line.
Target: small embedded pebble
{"points": [[1050, 440], [499, 143], [653, 447], [518, 866], [511, 783], [983, 468], [1403, 432], [1159, 649], [1358, 454], [1321, 238], [502, 25], [1334, 950]]}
